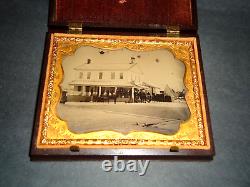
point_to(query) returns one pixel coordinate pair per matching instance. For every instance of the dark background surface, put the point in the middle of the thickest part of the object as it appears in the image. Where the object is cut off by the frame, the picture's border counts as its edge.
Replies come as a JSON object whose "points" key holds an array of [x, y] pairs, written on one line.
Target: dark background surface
{"points": [[225, 39]]}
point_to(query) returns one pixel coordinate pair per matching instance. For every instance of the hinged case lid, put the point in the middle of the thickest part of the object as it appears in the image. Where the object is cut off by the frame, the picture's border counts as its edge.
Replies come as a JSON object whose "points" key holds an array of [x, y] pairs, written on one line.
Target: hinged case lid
{"points": [[142, 14]]}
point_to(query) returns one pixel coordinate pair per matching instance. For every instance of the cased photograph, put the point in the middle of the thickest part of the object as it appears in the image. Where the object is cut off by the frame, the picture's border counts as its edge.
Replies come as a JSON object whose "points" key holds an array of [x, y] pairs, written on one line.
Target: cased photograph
{"points": [[122, 79], [126, 95]]}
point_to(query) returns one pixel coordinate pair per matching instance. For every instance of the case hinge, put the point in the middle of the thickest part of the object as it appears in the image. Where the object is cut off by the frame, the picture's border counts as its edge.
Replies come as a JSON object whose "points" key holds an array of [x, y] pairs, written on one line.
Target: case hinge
{"points": [[173, 31], [75, 28]]}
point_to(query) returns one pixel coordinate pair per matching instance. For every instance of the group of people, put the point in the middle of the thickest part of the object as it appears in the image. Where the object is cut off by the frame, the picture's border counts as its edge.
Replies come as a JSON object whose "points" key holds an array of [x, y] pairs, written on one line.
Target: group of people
{"points": [[141, 96]]}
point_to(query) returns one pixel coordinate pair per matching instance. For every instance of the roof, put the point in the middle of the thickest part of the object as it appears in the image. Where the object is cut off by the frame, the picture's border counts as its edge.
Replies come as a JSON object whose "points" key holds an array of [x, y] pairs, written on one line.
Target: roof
{"points": [[150, 85], [108, 67]]}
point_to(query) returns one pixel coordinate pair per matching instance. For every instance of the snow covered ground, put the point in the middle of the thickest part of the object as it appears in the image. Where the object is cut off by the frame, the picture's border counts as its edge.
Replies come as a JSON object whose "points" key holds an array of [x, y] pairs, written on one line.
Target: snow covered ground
{"points": [[124, 117]]}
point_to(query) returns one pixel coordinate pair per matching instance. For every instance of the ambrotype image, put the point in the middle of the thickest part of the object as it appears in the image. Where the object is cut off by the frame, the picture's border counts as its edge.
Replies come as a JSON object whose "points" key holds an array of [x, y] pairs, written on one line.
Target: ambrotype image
{"points": [[123, 91]]}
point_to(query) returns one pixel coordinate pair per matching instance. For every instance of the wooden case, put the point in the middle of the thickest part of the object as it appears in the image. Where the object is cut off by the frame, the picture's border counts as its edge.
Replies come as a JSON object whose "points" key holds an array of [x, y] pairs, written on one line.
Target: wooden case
{"points": [[140, 25], [156, 14]]}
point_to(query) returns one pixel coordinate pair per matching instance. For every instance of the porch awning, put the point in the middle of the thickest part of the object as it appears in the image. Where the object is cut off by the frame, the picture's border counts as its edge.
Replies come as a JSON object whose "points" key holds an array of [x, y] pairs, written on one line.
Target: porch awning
{"points": [[101, 83]]}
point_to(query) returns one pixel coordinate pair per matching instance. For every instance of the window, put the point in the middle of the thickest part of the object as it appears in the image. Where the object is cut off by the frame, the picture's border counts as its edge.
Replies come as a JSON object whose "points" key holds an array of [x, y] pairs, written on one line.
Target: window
{"points": [[88, 75], [121, 75], [79, 88], [100, 75], [112, 75], [87, 88], [80, 75]]}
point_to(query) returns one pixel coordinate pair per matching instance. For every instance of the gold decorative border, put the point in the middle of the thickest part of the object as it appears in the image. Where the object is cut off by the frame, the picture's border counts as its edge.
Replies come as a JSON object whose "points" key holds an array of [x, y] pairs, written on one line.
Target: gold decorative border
{"points": [[53, 132]]}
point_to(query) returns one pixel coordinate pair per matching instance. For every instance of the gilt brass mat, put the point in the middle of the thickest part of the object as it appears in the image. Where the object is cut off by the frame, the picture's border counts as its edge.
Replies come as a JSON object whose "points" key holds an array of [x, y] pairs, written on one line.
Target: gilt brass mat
{"points": [[54, 133]]}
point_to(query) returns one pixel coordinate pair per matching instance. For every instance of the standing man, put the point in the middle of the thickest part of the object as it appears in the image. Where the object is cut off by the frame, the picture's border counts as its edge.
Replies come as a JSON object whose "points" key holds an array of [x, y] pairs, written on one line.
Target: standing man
{"points": [[114, 96]]}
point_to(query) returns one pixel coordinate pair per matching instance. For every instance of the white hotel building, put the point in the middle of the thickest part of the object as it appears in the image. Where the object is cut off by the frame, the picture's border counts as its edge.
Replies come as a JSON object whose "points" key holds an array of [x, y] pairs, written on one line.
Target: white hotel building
{"points": [[95, 81]]}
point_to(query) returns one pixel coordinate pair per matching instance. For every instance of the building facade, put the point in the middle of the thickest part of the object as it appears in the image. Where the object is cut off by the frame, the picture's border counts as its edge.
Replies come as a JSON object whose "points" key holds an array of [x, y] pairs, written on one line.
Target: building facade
{"points": [[100, 82]]}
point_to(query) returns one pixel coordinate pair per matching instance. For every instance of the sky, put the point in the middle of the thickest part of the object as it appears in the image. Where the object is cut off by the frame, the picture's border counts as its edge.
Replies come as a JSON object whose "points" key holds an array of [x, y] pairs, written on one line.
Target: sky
{"points": [[159, 66]]}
